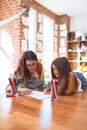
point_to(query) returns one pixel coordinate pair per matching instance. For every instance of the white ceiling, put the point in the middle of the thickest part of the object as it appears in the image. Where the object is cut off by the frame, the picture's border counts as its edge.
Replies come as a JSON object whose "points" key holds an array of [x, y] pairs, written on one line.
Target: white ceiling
{"points": [[69, 7]]}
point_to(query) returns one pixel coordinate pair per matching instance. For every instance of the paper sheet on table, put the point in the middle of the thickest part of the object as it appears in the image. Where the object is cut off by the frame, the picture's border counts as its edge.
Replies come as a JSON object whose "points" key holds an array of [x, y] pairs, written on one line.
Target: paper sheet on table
{"points": [[39, 95]]}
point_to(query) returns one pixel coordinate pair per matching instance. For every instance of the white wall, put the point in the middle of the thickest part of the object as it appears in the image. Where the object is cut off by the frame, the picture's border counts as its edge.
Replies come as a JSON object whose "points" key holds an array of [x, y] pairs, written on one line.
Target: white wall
{"points": [[78, 23]]}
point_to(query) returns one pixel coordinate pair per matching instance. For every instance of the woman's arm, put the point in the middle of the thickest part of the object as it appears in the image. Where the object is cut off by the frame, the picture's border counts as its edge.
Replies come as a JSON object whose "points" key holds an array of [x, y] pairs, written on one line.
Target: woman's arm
{"points": [[23, 90]]}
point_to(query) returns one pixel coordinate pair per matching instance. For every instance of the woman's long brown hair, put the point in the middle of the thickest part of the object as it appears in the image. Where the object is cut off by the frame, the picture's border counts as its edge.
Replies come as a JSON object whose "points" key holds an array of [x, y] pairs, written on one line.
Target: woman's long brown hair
{"points": [[28, 55]]}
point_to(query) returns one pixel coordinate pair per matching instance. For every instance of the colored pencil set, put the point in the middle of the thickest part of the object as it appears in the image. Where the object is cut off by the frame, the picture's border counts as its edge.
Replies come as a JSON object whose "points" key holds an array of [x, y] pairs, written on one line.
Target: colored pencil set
{"points": [[12, 81], [54, 90]]}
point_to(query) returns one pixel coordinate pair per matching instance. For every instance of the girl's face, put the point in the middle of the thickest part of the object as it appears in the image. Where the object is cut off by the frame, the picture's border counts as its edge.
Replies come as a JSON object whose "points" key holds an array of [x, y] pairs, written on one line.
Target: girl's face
{"points": [[55, 70], [31, 65]]}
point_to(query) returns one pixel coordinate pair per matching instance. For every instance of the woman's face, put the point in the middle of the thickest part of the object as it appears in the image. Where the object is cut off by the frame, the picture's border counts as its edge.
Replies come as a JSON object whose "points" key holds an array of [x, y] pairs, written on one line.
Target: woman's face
{"points": [[31, 65], [55, 70]]}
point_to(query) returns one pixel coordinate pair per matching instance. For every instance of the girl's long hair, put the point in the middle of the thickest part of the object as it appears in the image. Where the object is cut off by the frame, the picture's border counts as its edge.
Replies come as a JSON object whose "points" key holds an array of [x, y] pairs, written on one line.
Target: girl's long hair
{"points": [[64, 70]]}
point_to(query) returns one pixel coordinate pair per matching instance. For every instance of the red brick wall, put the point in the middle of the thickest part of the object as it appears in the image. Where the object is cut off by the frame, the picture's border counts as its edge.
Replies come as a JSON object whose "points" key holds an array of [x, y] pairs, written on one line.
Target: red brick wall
{"points": [[40, 8], [15, 28]]}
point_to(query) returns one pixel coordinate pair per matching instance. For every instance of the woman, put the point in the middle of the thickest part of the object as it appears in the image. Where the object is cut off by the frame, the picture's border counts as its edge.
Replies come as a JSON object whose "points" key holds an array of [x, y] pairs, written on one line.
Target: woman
{"points": [[68, 83], [28, 70]]}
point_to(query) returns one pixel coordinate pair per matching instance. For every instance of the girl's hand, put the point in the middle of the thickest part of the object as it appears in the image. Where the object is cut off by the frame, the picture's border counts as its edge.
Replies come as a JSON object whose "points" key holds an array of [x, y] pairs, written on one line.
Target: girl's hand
{"points": [[47, 90]]}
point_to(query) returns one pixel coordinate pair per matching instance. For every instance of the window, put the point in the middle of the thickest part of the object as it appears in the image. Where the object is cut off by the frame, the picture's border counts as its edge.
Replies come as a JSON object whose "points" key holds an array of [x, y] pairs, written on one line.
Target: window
{"points": [[48, 30], [32, 30]]}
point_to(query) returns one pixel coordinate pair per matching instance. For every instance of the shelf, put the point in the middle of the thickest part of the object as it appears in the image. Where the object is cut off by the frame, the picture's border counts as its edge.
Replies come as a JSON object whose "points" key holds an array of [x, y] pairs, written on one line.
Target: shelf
{"points": [[77, 61], [74, 41], [73, 60], [75, 52], [83, 61], [83, 41], [78, 51]]}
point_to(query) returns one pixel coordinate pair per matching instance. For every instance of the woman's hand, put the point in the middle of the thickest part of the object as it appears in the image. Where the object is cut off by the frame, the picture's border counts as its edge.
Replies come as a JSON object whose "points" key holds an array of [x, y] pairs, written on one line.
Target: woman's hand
{"points": [[25, 91], [47, 90]]}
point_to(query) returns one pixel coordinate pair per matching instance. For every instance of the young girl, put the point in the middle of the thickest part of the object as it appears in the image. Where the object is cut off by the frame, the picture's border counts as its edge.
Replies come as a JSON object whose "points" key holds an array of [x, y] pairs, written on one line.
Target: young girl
{"points": [[68, 83]]}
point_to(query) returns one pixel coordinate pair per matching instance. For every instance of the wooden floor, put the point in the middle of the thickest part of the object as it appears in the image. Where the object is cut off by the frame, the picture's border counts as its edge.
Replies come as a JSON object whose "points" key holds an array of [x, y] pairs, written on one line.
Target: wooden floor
{"points": [[26, 113]]}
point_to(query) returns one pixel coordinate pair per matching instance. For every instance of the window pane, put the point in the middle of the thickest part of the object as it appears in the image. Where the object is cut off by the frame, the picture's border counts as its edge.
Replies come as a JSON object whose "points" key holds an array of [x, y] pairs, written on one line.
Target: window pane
{"points": [[32, 30], [48, 30]]}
